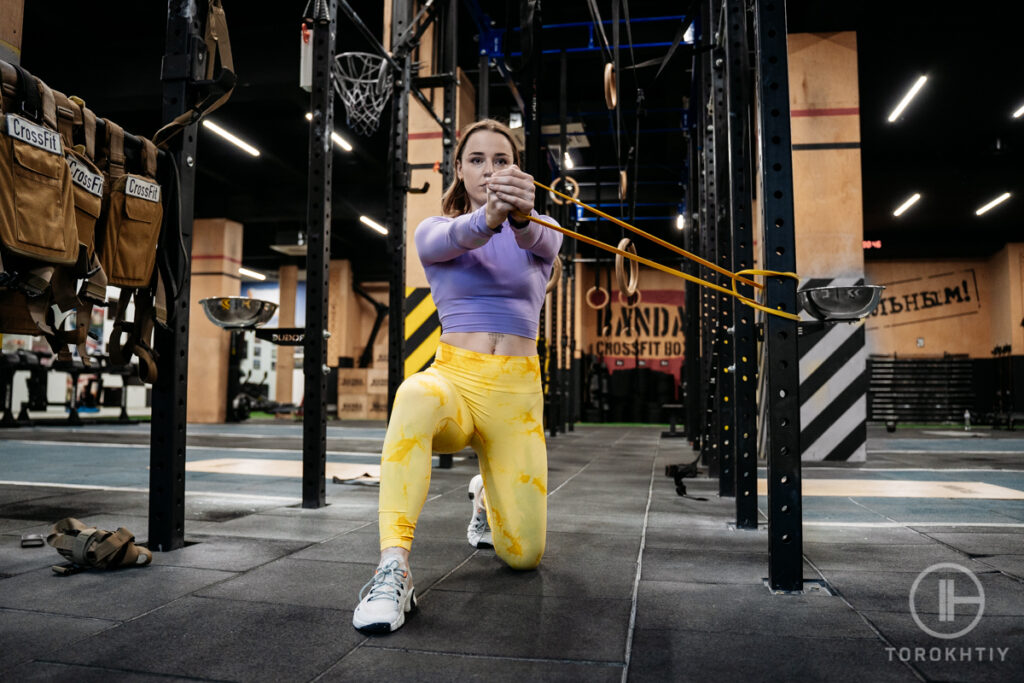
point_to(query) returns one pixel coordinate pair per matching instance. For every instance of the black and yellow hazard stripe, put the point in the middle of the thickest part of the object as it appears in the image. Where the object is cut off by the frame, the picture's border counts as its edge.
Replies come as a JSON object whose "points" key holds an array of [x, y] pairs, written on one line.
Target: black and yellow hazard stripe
{"points": [[422, 329]]}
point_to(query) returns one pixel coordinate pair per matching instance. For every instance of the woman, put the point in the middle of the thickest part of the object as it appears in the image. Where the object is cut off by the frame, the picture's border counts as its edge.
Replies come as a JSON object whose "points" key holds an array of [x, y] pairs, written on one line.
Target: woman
{"points": [[487, 274]]}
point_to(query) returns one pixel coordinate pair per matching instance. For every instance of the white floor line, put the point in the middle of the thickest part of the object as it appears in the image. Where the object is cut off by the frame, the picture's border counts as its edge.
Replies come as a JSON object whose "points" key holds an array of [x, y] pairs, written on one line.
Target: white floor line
{"points": [[906, 469], [220, 449], [133, 489], [639, 568], [896, 525], [943, 451]]}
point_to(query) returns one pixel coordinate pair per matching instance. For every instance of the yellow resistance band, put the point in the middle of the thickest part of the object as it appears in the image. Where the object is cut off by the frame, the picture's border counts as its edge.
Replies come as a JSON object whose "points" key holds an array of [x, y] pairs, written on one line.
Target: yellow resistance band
{"points": [[656, 240], [672, 271]]}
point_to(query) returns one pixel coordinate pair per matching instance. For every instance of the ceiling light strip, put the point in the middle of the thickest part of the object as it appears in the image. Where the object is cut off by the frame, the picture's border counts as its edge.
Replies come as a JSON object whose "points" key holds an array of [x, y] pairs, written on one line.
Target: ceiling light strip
{"points": [[373, 224], [230, 137], [995, 202], [906, 98], [907, 204]]}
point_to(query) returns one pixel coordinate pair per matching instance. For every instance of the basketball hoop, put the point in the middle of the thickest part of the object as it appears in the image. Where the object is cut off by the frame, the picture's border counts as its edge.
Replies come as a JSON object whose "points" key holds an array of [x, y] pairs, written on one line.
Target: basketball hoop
{"points": [[363, 82]]}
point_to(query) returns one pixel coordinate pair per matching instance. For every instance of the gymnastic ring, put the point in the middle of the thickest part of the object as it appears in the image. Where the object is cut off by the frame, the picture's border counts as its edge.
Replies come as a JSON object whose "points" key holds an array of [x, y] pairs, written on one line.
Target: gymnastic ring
{"points": [[626, 301], [627, 286], [575, 194], [611, 92], [623, 185], [600, 291], [556, 274]]}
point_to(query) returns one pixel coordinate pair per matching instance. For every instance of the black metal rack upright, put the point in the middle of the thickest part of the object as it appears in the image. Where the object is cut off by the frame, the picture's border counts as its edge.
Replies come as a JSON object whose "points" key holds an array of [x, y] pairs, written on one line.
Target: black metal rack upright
{"points": [[743, 382], [721, 390], [170, 392], [318, 259]]}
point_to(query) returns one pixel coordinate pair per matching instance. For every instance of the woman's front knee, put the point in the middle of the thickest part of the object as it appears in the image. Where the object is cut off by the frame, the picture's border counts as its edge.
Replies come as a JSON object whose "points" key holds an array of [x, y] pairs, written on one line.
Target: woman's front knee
{"points": [[522, 555]]}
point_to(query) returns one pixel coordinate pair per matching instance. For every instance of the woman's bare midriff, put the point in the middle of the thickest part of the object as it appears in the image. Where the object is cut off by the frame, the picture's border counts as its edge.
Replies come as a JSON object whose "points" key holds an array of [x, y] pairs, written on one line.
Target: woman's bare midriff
{"points": [[494, 343]]}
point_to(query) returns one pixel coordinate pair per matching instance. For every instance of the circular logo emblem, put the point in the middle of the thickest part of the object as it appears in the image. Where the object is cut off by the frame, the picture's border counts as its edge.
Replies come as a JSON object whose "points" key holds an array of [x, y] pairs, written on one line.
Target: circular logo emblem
{"points": [[952, 592]]}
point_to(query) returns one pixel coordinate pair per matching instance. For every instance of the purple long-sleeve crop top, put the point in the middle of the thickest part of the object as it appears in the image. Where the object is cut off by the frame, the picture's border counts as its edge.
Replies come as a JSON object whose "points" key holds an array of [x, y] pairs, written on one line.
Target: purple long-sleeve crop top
{"points": [[485, 281]]}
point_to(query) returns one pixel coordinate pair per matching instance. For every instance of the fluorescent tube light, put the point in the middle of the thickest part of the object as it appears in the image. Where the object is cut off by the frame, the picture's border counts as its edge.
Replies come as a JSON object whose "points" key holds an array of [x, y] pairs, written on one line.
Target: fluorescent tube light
{"points": [[568, 161], [251, 273], [907, 204], [1020, 112], [373, 224], [233, 139], [906, 99], [995, 202], [338, 140]]}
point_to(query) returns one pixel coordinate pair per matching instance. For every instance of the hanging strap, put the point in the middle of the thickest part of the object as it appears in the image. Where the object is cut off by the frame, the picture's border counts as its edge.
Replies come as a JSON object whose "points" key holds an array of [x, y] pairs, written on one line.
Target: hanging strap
{"points": [[148, 158], [88, 123], [111, 158], [218, 91], [67, 112], [139, 334]]}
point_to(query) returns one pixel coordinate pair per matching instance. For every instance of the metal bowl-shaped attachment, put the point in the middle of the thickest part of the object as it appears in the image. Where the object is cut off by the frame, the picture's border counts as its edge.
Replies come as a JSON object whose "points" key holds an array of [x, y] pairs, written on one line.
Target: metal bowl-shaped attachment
{"points": [[238, 312], [840, 303]]}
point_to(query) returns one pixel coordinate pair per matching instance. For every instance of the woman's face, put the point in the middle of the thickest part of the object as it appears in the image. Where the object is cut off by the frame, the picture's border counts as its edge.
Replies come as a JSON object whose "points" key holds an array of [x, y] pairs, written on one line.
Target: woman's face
{"points": [[484, 153]]}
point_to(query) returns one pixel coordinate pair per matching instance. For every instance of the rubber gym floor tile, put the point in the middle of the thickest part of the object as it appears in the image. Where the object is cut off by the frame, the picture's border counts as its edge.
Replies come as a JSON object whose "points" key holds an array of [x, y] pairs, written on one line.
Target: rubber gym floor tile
{"points": [[10, 493], [890, 591], [663, 655], [938, 510], [119, 594], [630, 525], [983, 544], [708, 566], [747, 609], [206, 508], [17, 560], [428, 553], [227, 553], [308, 583], [27, 635], [223, 640], [515, 626], [379, 664], [973, 657], [582, 546], [277, 527], [134, 503], [16, 527], [355, 504], [561, 576], [686, 518], [558, 505], [52, 508], [845, 535], [879, 557], [712, 537], [1009, 564], [45, 672]]}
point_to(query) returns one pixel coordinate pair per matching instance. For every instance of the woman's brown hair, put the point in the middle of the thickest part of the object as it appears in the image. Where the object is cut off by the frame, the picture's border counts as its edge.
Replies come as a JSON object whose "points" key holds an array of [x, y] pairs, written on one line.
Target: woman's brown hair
{"points": [[455, 200]]}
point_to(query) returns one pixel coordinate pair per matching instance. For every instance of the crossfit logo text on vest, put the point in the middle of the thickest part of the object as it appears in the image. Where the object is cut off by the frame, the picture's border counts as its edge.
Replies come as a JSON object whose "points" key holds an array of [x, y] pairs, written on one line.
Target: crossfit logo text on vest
{"points": [[37, 136], [84, 178], [142, 189]]}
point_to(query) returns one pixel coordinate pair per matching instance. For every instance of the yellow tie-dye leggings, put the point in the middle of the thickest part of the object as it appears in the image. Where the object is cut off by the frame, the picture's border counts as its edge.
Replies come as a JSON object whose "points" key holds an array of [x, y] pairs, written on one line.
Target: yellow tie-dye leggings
{"points": [[493, 404]]}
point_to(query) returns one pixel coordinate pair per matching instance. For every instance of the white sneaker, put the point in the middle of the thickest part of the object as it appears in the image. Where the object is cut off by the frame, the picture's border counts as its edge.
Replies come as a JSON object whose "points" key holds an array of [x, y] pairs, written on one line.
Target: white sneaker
{"points": [[385, 600], [479, 531]]}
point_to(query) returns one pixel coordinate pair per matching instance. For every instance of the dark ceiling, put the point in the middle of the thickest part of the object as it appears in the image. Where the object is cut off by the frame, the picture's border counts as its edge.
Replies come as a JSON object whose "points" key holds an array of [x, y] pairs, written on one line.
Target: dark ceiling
{"points": [[956, 144]]}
